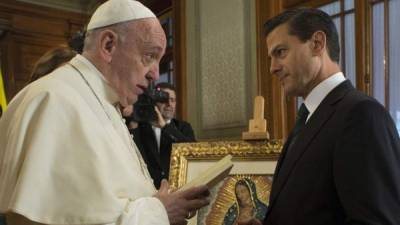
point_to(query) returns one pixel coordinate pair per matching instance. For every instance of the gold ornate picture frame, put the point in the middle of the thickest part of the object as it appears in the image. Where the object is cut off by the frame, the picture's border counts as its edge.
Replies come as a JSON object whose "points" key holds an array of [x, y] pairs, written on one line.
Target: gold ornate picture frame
{"points": [[254, 165]]}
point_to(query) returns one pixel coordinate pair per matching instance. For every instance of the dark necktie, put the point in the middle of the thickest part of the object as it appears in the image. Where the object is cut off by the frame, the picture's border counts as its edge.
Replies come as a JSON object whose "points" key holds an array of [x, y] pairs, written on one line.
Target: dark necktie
{"points": [[300, 122], [300, 119]]}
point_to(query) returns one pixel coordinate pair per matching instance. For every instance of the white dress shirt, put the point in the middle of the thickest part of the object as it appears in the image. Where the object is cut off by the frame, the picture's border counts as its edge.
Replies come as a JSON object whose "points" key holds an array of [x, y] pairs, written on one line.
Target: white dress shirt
{"points": [[314, 99], [157, 133]]}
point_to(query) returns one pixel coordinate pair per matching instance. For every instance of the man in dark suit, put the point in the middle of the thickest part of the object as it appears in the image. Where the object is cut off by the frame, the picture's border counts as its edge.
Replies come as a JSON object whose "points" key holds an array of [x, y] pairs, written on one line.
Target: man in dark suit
{"points": [[155, 140], [341, 162]]}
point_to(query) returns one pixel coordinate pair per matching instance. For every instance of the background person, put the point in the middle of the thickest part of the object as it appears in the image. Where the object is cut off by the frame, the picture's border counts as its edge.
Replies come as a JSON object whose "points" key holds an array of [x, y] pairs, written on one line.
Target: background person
{"points": [[66, 155], [57, 57], [155, 139], [51, 60]]}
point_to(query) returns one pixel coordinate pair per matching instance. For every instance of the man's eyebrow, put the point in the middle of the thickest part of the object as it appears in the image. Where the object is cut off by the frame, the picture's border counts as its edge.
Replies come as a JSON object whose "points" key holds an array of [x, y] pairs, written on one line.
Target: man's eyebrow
{"points": [[275, 49], [150, 46], [153, 48]]}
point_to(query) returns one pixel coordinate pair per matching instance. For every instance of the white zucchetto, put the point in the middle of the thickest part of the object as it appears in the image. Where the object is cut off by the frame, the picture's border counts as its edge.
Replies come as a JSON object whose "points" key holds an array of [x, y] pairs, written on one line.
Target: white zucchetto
{"points": [[117, 11]]}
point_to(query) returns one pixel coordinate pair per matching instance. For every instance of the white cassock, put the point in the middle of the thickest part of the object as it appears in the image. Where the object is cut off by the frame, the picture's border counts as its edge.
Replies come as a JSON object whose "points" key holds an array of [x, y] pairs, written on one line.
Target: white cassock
{"points": [[66, 157]]}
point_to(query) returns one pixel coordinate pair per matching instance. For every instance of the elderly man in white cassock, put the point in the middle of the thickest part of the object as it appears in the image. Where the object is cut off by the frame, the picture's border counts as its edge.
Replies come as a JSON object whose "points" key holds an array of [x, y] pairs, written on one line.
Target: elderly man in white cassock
{"points": [[66, 156]]}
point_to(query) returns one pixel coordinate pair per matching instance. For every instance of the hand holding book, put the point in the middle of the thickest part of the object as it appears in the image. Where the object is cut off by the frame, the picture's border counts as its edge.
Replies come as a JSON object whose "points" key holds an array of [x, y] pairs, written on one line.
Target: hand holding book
{"points": [[183, 203]]}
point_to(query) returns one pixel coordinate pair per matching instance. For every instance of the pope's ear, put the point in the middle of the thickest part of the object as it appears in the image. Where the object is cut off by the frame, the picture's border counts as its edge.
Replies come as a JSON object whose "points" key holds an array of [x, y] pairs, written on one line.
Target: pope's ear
{"points": [[318, 42], [108, 42]]}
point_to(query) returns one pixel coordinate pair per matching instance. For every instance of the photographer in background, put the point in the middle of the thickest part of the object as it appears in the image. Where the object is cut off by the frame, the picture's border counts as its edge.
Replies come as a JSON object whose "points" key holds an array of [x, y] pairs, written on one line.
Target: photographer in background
{"points": [[155, 138]]}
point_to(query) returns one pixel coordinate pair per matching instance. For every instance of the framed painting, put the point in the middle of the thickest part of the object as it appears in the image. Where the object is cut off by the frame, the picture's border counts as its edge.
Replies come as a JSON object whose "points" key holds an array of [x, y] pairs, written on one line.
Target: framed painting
{"points": [[244, 193]]}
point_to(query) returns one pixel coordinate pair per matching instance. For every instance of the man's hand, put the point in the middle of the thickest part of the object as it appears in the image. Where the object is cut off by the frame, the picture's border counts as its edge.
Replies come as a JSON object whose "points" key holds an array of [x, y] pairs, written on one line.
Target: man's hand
{"points": [[160, 119], [182, 205], [252, 221]]}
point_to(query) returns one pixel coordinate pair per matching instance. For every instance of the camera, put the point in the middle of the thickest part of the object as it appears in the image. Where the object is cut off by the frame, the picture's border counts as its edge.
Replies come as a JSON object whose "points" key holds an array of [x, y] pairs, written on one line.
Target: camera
{"points": [[143, 109]]}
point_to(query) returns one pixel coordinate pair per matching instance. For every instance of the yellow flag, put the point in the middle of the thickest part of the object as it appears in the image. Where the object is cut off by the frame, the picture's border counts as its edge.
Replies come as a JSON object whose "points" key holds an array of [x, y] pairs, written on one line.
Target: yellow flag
{"points": [[3, 100]]}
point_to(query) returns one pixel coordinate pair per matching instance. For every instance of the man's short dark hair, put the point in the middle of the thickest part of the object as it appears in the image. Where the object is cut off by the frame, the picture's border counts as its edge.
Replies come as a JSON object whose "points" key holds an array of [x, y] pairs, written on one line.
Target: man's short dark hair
{"points": [[165, 85], [303, 23]]}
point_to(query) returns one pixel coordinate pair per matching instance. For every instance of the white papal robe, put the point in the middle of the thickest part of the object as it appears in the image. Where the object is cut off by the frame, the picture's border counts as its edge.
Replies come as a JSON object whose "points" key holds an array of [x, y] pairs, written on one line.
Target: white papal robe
{"points": [[66, 156]]}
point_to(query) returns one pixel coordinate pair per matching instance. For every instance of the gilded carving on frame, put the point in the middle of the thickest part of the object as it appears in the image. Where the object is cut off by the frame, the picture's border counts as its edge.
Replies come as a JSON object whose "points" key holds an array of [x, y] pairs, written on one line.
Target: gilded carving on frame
{"points": [[254, 163]]}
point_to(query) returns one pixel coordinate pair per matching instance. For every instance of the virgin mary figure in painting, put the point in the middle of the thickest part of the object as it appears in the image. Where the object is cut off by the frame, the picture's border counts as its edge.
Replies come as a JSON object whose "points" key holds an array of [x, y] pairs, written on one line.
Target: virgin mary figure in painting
{"points": [[247, 204]]}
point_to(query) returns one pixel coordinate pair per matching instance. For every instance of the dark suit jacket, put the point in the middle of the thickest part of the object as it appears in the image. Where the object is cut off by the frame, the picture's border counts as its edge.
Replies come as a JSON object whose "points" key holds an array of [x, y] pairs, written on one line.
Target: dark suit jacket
{"points": [[343, 168], [158, 162]]}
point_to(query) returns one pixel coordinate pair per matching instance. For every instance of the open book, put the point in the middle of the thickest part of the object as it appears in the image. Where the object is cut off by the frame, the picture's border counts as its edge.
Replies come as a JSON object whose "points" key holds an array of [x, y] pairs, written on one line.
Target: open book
{"points": [[212, 175]]}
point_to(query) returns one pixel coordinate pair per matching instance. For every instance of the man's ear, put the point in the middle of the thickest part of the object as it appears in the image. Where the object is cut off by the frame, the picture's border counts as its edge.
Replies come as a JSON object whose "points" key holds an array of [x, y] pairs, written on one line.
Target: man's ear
{"points": [[318, 42], [108, 42]]}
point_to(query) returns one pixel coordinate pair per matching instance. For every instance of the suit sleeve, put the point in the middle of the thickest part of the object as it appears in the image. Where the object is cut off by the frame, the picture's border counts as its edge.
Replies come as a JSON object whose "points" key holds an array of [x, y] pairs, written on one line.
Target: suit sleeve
{"points": [[367, 166], [182, 134]]}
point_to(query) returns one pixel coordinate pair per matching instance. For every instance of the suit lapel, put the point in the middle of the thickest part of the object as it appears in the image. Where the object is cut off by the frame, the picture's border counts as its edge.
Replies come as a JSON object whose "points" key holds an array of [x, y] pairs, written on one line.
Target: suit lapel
{"points": [[281, 157], [163, 142], [313, 126], [165, 139]]}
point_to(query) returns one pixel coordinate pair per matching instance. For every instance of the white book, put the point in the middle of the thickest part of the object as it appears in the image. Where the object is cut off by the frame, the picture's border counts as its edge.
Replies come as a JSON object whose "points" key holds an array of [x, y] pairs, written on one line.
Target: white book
{"points": [[212, 175]]}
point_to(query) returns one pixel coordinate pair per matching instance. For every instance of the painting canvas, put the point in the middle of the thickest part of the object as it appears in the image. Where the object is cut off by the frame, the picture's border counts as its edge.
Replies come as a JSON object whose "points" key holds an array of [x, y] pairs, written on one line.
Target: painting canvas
{"points": [[244, 193]]}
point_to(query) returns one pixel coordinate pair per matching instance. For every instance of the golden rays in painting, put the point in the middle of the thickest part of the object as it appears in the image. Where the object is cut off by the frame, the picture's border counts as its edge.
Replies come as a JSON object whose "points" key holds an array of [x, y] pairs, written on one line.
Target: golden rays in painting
{"points": [[240, 197]]}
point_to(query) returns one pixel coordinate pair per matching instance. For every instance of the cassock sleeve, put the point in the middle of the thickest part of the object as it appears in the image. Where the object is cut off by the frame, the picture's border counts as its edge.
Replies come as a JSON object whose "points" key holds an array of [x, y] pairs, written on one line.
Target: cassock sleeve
{"points": [[152, 213]]}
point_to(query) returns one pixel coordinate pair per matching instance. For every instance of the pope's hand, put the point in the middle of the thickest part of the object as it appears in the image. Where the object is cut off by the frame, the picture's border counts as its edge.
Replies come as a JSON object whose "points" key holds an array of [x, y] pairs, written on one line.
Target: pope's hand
{"points": [[182, 205]]}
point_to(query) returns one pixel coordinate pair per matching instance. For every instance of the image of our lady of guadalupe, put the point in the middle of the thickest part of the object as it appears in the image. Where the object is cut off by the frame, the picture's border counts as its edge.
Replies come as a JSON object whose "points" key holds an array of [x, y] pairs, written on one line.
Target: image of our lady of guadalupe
{"points": [[247, 204]]}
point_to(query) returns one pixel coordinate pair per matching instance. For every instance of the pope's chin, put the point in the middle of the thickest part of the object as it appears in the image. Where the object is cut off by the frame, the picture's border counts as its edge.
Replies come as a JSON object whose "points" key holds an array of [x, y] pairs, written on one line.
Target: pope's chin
{"points": [[133, 100], [128, 100], [133, 96]]}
